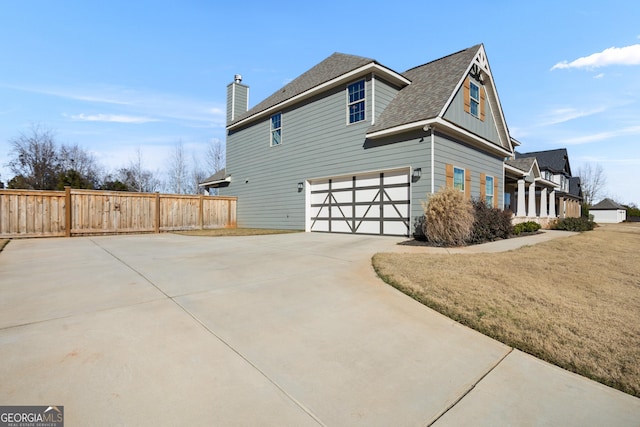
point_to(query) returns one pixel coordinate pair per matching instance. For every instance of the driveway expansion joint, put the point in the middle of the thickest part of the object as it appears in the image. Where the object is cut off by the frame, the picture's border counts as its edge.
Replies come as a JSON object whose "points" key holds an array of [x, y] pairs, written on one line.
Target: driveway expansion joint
{"points": [[470, 389]]}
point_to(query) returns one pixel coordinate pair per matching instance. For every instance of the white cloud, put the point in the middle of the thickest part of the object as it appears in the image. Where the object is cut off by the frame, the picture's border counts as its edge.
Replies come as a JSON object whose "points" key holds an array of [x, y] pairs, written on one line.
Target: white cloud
{"points": [[601, 136], [561, 115], [599, 76], [189, 110], [628, 55], [112, 118]]}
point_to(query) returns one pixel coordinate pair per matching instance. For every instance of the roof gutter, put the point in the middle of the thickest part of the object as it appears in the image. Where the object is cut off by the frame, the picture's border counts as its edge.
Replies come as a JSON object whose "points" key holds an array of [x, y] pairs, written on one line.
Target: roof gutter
{"points": [[214, 182], [441, 123], [515, 170]]}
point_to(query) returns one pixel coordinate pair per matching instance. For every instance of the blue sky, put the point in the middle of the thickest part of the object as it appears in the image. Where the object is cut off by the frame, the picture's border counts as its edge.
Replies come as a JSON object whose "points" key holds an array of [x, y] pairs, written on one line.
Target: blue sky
{"points": [[114, 76]]}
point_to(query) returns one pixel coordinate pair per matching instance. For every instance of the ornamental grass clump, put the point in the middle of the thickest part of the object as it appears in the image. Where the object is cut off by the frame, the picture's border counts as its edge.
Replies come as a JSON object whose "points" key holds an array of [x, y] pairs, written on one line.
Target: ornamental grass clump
{"points": [[449, 218]]}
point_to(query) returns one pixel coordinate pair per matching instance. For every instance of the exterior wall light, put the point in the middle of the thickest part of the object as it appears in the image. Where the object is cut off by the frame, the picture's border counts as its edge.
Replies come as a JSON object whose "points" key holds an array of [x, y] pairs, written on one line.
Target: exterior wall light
{"points": [[417, 172], [300, 186]]}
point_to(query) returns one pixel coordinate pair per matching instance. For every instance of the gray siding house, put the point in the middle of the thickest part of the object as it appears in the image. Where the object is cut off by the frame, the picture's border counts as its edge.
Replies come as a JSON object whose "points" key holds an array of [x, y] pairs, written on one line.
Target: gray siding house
{"points": [[352, 146]]}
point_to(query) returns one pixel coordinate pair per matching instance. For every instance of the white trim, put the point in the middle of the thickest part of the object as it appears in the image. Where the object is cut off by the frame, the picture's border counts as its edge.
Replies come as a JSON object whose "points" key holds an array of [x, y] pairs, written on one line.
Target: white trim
{"points": [[271, 129], [464, 176], [547, 182], [486, 193], [373, 98], [516, 170], [349, 104], [441, 123], [476, 100], [204, 184], [433, 160], [358, 72], [401, 128], [307, 206]]}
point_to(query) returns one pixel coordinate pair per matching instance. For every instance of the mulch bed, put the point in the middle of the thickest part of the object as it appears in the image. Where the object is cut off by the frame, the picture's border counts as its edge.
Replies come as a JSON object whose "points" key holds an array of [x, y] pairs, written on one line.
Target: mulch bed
{"points": [[417, 242]]}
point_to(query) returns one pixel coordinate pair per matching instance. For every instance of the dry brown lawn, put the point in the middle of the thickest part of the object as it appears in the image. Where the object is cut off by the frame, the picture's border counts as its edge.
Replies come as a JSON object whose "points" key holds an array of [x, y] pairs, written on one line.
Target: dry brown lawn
{"points": [[574, 302], [220, 232]]}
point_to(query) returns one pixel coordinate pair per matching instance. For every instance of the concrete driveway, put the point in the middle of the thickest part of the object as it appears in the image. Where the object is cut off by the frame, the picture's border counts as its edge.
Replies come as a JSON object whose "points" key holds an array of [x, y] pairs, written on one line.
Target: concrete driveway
{"points": [[276, 330]]}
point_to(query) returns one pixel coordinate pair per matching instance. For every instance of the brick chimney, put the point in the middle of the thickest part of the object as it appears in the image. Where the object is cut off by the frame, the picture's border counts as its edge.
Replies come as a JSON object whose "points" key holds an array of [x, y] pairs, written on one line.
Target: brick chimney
{"points": [[237, 99]]}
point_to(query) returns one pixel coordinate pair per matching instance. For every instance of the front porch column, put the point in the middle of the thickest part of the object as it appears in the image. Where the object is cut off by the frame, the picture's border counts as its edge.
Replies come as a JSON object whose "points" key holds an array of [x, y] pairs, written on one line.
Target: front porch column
{"points": [[532, 200], [543, 203], [552, 204], [522, 210], [562, 208]]}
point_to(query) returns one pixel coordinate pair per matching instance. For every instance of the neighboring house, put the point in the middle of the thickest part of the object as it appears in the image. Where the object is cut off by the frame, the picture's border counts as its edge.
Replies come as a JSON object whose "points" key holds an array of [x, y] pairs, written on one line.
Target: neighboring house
{"points": [[539, 186], [352, 146], [608, 211]]}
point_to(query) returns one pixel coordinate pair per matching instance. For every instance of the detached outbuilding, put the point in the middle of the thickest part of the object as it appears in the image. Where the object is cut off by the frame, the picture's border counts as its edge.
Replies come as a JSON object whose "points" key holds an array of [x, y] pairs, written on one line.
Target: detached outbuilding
{"points": [[608, 211]]}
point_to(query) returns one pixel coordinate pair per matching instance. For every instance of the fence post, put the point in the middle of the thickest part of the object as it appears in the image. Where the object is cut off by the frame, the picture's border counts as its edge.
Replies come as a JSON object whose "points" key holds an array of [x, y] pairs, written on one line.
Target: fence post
{"points": [[67, 211], [201, 212], [157, 225]]}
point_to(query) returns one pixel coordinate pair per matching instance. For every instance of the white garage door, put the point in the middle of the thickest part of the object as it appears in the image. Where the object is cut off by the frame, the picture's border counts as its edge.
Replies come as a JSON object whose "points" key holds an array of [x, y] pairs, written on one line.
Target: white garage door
{"points": [[371, 203]]}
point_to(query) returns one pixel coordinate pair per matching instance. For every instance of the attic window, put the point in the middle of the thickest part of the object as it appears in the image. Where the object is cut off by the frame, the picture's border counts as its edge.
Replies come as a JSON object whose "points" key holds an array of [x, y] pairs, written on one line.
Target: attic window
{"points": [[356, 101], [474, 98]]}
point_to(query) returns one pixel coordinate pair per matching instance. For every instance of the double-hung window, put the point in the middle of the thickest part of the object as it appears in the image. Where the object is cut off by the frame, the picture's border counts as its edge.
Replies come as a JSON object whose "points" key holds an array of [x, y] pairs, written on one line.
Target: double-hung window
{"points": [[474, 99], [458, 178], [276, 129], [489, 190], [356, 101]]}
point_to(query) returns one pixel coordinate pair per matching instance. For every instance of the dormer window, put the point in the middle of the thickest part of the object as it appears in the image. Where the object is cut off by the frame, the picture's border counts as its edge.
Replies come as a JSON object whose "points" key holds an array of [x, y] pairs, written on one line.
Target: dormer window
{"points": [[356, 101]]}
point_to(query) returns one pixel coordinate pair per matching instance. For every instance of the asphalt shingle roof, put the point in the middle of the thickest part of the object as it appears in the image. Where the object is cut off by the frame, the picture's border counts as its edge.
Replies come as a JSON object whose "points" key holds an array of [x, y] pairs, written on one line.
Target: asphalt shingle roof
{"points": [[218, 176], [524, 164], [431, 86], [553, 160], [329, 69], [606, 205]]}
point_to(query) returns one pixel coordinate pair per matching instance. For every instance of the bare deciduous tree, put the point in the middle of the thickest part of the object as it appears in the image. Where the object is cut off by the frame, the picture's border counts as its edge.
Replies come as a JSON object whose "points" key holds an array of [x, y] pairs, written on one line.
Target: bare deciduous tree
{"points": [[197, 175], [177, 170], [592, 182], [75, 159], [35, 159], [136, 178], [215, 156]]}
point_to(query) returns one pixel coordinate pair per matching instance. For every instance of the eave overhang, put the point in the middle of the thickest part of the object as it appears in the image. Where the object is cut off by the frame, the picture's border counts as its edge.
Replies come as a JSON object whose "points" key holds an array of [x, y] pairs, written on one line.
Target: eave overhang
{"points": [[440, 123], [216, 183]]}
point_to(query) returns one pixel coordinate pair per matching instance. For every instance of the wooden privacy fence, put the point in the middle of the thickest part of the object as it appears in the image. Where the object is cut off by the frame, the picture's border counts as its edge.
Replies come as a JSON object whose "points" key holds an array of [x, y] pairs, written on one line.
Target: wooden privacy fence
{"points": [[29, 213]]}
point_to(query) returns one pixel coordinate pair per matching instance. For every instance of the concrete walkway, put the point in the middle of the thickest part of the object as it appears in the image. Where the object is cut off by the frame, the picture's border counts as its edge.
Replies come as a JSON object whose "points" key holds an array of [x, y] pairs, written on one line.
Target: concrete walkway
{"points": [[266, 330]]}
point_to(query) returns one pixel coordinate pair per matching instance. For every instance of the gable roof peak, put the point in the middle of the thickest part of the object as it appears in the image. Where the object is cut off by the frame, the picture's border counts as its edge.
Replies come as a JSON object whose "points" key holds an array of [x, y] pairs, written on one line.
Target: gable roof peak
{"points": [[472, 48]]}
